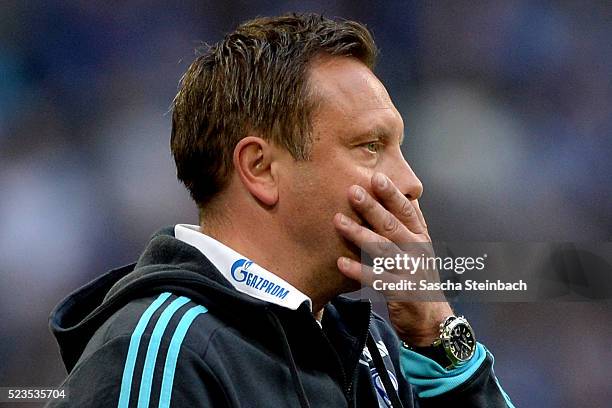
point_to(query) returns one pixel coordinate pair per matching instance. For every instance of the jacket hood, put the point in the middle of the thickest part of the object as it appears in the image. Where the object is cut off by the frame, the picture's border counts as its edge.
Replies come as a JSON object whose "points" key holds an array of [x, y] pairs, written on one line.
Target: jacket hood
{"points": [[167, 264]]}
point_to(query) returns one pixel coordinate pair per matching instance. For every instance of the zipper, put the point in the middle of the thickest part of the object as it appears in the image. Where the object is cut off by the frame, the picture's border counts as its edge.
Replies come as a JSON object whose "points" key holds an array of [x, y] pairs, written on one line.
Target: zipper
{"points": [[362, 341], [330, 346]]}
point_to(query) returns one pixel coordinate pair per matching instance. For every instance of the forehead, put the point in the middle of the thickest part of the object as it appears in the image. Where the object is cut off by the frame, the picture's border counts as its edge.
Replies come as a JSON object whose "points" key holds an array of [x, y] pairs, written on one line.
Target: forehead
{"points": [[352, 100]]}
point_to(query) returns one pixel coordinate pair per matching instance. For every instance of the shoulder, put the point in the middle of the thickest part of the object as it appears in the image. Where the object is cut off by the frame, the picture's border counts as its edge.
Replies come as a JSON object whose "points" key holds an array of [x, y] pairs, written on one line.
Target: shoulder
{"points": [[164, 320], [141, 349]]}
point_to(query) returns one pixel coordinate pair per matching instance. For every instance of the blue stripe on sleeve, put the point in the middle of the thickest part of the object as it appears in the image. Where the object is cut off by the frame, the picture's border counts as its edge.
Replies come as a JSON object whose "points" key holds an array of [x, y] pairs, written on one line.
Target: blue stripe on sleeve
{"points": [[156, 337], [173, 352], [430, 379], [130, 361]]}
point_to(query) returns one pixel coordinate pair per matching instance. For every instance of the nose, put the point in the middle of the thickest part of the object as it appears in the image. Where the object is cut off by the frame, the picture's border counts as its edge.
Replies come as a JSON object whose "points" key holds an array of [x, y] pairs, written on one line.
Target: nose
{"points": [[405, 179]]}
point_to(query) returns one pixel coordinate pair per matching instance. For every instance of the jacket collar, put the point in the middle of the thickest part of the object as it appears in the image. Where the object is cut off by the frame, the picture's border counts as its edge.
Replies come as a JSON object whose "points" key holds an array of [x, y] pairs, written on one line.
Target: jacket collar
{"points": [[245, 275]]}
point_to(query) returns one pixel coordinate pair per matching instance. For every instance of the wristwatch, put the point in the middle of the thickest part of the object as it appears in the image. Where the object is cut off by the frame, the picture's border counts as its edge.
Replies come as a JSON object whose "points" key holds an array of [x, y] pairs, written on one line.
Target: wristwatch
{"points": [[455, 346]]}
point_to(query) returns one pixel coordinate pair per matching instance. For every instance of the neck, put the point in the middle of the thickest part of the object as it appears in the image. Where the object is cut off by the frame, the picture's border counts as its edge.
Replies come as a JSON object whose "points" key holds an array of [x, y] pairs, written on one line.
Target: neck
{"points": [[263, 243]]}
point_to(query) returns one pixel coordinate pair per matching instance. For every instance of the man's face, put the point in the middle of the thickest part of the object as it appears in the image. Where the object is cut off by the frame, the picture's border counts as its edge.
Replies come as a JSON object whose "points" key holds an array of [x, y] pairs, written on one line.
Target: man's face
{"points": [[357, 132]]}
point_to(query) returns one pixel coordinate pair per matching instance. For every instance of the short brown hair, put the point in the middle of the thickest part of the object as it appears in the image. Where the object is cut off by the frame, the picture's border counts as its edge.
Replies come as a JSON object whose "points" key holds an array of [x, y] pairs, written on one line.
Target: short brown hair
{"points": [[254, 80]]}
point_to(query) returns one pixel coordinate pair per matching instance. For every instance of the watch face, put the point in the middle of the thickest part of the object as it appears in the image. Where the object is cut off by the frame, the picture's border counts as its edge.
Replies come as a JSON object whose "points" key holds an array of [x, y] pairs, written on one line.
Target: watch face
{"points": [[461, 342]]}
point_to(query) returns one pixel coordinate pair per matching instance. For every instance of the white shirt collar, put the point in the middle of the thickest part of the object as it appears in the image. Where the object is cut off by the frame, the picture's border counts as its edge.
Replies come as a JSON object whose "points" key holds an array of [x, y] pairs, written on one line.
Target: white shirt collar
{"points": [[245, 275]]}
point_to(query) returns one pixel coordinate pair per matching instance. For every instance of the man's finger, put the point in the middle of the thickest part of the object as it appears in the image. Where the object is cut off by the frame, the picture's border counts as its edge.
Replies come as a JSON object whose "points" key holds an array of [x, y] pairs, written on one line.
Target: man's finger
{"points": [[356, 271], [380, 219], [365, 274], [385, 283], [398, 204], [365, 239], [415, 203]]}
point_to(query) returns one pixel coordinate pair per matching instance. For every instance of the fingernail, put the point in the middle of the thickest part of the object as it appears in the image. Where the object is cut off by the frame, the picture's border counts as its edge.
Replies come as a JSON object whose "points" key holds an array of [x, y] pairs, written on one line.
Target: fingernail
{"points": [[381, 180], [344, 262], [344, 219], [359, 194]]}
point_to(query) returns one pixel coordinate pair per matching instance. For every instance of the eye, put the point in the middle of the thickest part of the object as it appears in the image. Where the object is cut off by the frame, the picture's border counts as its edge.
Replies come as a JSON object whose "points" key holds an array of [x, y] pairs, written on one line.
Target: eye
{"points": [[373, 147]]}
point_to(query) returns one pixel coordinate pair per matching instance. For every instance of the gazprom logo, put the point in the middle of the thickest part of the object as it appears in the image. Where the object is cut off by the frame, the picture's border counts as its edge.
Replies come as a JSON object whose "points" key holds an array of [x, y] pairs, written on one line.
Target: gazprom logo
{"points": [[239, 269], [241, 274]]}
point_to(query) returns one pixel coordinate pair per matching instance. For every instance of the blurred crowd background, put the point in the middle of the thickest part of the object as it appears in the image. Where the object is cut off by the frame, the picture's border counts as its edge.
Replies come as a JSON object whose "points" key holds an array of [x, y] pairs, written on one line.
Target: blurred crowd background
{"points": [[508, 124]]}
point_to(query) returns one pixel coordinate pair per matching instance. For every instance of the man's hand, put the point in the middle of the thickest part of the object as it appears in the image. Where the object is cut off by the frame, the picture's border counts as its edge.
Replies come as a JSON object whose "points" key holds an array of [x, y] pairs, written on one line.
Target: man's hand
{"points": [[394, 220]]}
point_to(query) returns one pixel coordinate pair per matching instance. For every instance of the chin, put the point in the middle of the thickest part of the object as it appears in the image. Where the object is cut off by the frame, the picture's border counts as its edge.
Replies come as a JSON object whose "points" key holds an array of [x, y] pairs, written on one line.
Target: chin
{"points": [[349, 285], [336, 282], [341, 285], [346, 284], [352, 251]]}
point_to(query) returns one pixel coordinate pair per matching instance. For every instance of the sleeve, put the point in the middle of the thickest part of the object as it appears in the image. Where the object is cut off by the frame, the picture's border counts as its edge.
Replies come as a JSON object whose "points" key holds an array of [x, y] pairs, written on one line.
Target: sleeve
{"points": [[106, 378], [471, 385]]}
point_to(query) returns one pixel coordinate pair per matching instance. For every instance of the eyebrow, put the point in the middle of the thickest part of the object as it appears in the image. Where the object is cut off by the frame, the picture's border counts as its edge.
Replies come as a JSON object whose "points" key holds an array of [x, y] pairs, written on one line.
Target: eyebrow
{"points": [[382, 133]]}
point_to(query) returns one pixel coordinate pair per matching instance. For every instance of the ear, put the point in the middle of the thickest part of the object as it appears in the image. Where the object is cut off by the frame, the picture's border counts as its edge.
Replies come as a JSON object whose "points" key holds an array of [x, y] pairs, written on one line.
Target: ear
{"points": [[253, 160]]}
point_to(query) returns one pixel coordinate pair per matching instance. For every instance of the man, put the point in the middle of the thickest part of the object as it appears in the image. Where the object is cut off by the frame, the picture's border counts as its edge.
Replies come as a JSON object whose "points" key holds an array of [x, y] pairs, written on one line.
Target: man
{"points": [[290, 146]]}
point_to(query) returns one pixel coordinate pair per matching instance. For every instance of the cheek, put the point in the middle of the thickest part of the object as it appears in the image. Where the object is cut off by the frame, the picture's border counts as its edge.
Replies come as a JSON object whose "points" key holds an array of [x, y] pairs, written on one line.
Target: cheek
{"points": [[358, 176], [320, 189], [310, 207]]}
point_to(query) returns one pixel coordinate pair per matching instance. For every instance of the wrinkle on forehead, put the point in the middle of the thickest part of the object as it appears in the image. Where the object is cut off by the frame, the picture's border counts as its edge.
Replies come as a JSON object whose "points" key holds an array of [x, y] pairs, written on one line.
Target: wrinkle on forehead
{"points": [[348, 85]]}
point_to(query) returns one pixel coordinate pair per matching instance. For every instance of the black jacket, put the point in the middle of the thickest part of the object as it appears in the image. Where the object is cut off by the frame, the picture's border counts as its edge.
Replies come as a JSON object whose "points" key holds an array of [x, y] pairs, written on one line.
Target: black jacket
{"points": [[172, 329]]}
